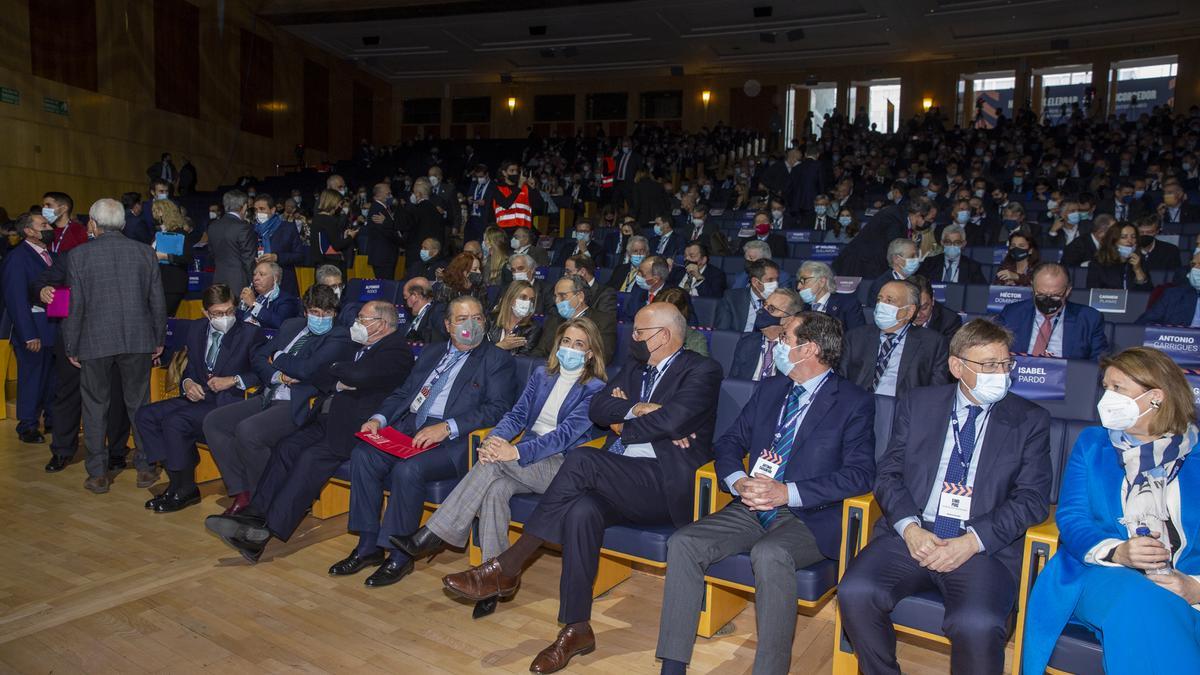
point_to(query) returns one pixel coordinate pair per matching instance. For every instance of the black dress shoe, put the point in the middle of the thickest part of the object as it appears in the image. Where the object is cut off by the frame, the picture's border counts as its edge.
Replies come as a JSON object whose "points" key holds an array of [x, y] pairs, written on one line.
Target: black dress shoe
{"points": [[354, 563], [245, 537], [57, 463], [484, 608], [419, 544], [176, 501], [157, 499], [31, 436], [392, 571]]}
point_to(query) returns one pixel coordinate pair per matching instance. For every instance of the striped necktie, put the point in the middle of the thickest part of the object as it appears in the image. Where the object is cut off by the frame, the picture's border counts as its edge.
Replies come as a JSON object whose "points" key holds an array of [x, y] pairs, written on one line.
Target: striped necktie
{"points": [[956, 473], [785, 438], [885, 353], [214, 348]]}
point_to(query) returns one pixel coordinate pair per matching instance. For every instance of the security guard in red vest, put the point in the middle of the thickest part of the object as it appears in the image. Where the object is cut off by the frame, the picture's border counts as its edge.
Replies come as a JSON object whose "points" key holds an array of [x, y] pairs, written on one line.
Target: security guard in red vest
{"points": [[515, 200]]}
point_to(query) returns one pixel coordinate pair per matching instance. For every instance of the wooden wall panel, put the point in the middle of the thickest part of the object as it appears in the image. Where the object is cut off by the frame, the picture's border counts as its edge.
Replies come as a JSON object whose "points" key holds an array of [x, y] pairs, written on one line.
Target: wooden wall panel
{"points": [[258, 84], [177, 57], [316, 105], [54, 23], [363, 120]]}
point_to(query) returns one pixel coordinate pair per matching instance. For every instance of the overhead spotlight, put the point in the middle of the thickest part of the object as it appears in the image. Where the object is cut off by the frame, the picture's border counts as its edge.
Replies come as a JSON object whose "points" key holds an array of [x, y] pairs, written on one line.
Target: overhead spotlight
{"points": [[769, 38], [811, 81], [763, 12], [795, 34], [370, 40], [537, 30]]}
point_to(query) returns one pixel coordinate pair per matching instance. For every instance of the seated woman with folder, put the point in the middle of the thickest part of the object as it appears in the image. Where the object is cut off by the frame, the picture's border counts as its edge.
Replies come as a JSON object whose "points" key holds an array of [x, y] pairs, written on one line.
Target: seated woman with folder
{"points": [[551, 417]]}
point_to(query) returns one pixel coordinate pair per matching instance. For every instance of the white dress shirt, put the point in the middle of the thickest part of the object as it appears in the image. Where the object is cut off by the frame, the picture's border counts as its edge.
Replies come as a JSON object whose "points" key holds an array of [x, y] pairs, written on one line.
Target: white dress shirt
{"points": [[887, 381]]}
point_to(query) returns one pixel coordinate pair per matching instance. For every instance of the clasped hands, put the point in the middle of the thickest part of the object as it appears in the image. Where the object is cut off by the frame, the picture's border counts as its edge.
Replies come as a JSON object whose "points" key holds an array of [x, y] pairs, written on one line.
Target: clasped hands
{"points": [[761, 494], [496, 449], [645, 408], [937, 554]]}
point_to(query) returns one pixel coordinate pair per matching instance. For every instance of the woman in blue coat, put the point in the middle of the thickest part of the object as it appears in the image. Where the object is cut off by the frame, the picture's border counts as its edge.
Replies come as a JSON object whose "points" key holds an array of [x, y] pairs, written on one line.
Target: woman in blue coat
{"points": [[1128, 564], [551, 417]]}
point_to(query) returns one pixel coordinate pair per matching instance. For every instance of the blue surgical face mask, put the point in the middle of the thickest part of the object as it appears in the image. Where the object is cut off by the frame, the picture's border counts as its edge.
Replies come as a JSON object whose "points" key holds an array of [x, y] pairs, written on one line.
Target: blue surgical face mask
{"points": [[641, 282], [425, 255], [845, 220], [583, 236], [319, 325], [1137, 194], [636, 259], [1074, 217], [565, 310], [952, 252], [924, 182], [764, 319], [658, 230], [1125, 251], [962, 216], [570, 359], [886, 315], [1011, 224], [781, 356], [911, 265], [808, 295], [1017, 180], [1194, 277], [49, 214], [820, 209]]}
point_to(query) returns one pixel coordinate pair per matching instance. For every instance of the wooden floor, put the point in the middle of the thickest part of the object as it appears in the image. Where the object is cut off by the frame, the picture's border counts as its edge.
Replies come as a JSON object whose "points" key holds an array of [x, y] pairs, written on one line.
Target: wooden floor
{"points": [[97, 584]]}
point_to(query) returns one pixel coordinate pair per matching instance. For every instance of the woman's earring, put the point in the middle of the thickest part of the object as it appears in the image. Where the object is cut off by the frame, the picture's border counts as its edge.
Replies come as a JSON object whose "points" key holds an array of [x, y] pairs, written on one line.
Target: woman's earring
{"points": [[1155, 404]]}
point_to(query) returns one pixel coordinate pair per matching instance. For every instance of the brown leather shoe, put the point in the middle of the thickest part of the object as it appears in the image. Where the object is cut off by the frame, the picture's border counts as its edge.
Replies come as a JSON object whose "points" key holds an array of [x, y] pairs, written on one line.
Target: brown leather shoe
{"points": [[483, 582], [97, 484], [572, 640], [147, 478]]}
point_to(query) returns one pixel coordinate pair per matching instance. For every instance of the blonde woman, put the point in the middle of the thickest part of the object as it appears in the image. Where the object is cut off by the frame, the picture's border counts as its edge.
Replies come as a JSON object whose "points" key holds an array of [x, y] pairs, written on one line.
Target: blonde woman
{"points": [[512, 326], [174, 268], [495, 255]]}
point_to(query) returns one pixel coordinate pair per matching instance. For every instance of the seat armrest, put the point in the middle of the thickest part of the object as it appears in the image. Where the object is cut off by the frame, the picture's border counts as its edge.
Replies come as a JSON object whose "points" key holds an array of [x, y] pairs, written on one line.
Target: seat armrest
{"points": [[708, 497], [858, 519], [1041, 543], [597, 443], [473, 442]]}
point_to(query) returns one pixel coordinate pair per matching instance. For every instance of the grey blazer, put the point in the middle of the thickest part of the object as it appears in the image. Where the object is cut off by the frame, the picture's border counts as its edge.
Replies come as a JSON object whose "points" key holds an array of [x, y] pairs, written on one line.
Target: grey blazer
{"points": [[117, 303], [233, 247], [924, 361]]}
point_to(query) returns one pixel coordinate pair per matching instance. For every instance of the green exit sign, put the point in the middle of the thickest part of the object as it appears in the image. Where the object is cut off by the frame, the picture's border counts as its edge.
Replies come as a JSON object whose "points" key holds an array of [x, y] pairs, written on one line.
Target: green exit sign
{"points": [[10, 96], [54, 106]]}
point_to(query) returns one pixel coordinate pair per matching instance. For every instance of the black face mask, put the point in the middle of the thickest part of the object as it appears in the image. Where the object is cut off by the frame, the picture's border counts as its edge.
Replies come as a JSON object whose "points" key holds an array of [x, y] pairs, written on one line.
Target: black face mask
{"points": [[476, 279], [765, 319], [1145, 241], [639, 350], [512, 178], [1047, 305], [1018, 254], [47, 237]]}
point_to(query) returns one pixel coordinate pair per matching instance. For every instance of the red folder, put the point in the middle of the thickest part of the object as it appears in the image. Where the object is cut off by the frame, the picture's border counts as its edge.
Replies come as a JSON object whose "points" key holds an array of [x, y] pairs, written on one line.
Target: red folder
{"points": [[394, 443], [57, 309]]}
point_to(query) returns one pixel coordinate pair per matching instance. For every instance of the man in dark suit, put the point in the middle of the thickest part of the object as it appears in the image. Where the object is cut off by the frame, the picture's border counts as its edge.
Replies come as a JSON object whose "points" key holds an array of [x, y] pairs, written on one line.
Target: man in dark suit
{"points": [[218, 373], [524, 241], [33, 334], [1122, 205], [1178, 305], [293, 367], [1049, 325], [444, 195], [806, 179], [705, 231], [628, 163], [624, 275], [265, 302], [763, 232], [816, 429], [572, 300], [818, 217], [425, 222], [932, 314], [661, 408], [425, 323], [431, 260], [278, 242], [951, 266], [699, 279], [667, 242], [1174, 207], [137, 227], [752, 355], [163, 170], [581, 242], [740, 306], [995, 448], [385, 233], [600, 298], [903, 261], [817, 290], [653, 275], [232, 243], [1083, 248], [616, 242], [118, 317], [302, 462], [1156, 254], [648, 199], [782, 220], [865, 255], [455, 388], [893, 356]]}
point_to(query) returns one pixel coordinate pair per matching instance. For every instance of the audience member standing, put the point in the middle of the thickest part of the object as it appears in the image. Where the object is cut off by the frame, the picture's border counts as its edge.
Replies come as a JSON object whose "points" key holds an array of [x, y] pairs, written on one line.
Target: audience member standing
{"points": [[32, 333], [232, 244], [117, 315], [59, 209]]}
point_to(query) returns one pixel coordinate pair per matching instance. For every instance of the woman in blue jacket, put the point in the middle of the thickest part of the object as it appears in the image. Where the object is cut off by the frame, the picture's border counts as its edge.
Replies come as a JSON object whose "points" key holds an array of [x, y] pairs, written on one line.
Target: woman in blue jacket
{"points": [[551, 417], [1128, 565]]}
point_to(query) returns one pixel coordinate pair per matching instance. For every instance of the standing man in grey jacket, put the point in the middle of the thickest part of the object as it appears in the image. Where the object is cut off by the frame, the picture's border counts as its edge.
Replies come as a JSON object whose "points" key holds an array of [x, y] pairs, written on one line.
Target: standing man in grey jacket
{"points": [[233, 244], [118, 317]]}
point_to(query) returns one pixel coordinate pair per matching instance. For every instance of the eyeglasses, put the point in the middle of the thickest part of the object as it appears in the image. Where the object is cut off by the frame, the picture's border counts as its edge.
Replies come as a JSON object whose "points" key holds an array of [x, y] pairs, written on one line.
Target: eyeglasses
{"points": [[222, 315], [776, 312], [992, 367], [641, 332]]}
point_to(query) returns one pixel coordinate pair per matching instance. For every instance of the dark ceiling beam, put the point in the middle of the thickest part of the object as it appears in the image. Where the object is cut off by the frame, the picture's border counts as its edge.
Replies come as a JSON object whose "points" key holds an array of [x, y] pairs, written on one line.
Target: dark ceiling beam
{"points": [[429, 11]]}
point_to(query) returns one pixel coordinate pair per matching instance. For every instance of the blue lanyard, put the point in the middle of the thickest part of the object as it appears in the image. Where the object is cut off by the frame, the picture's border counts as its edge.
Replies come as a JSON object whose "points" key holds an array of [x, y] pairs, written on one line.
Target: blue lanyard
{"points": [[441, 370], [803, 409]]}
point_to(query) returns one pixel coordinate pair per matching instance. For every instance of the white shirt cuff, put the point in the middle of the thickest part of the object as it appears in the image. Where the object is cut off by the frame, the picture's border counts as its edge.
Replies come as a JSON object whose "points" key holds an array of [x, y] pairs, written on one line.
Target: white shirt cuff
{"points": [[277, 377], [240, 384], [1096, 555], [794, 501], [453, 428], [977, 539], [381, 419], [901, 526], [733, 478]]}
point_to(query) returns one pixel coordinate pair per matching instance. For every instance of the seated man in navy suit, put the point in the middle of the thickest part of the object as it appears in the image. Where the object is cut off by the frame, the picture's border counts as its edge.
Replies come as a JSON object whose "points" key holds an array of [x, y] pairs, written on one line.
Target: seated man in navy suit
{"points": [[264, 302], [33, 334], [817, 289], [667, 243], [739, 307], [652, 278], [455, 388], [1178, 305], [903, 259], [774, 240], [966, 472], [661, 407], [579, 243], [292, 368], [1049, 325], [810, 438], [301, 464], [698, 278], [218, 373], [752, 354]]}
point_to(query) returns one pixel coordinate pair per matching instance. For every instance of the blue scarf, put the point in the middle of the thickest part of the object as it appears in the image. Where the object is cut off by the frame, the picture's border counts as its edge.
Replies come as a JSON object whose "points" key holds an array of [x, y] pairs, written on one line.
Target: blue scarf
{"points": [[265, 230]]}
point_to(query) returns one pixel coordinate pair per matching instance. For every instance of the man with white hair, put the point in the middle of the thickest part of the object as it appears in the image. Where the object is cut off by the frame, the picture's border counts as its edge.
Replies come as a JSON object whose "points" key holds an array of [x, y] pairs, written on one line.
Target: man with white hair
{"points": [[756, 250], [523, 241], [117, 316], [818, 290]]}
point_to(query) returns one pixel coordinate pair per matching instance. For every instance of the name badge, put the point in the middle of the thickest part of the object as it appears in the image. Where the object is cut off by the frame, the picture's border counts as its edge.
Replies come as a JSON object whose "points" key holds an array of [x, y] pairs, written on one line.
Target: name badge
{"points": [[766, 466], [420, 398], [955, 502]]}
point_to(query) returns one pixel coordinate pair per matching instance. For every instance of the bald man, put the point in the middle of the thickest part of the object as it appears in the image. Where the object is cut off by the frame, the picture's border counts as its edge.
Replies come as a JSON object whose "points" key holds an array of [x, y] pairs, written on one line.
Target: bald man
{"points": [[661, 409]]}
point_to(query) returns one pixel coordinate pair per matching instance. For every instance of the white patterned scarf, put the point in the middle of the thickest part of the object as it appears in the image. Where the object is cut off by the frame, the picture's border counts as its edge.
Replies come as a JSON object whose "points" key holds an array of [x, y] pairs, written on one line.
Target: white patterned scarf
{"points": [[1149, 468]]}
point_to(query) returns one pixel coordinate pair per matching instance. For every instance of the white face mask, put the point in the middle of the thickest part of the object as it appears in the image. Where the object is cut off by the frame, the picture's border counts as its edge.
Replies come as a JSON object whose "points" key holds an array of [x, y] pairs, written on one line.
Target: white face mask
{"points": [[522, 307], [1118, 411], [359, 333], [222, 324], [990, 387], [434, 180], [212, 215], [769, 287], [261, 218], [520, 276]]}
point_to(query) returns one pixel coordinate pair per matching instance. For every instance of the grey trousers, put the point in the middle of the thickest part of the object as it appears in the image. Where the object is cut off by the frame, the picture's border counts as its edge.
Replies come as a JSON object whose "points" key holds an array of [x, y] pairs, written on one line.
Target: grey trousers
{"points": [[485, 492], [241, 435], [775, 555], [94, 390]]}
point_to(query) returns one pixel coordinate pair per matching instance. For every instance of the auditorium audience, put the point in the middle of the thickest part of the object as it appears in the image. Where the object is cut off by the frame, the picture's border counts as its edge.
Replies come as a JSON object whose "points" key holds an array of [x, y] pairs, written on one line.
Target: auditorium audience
{"points": [[1156, 253], [523, 242], [455, 388], [817, 289], [301, 462], [232, 243], [1125, 567], [430, 262], [218, 373], [292, 368], [892, 356], [384, 233], [172, 267], [624, 276], [601, 297], [59, 210], [424, 314], [694, 341], [1082, 250], [903, 259], [932, 314], [571, 301], [775, 241], [752, 355], [1016, 269], [511, 326], [699, 279], [951, 266], [550, 419], [1117, 263], [652, 278], [461, 277], [786, 517], [33, 333], [976, 437], [1049, 324], [661, 408], [265, 302], [494, 252]]}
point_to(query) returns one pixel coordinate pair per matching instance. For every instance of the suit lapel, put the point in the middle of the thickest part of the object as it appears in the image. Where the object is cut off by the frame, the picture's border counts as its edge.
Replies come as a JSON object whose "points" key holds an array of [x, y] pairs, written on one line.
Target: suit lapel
{"points": [[539, 401], [818, 407], [468, 370], [995, 443], [568, 402], [932, 441]]}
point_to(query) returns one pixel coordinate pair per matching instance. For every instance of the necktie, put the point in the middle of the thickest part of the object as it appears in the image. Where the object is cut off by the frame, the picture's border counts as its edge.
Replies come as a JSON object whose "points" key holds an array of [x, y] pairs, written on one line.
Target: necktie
{"points": [[820, 224], [649, 378], [956, 473], [785, 438], [45, 257], [214, 348], [768, 365], [885, 353], [295, 349], [629, 279], [1043, 336]]}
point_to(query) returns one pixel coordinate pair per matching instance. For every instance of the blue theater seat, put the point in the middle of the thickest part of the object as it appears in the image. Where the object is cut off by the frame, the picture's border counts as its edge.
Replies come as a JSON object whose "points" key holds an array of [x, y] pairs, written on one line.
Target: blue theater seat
{"points": [[733, 397], [363, 290], [812, 583], [1082, 392], [624, 337], [1135, 305], [721, 347], [705, 310]]}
